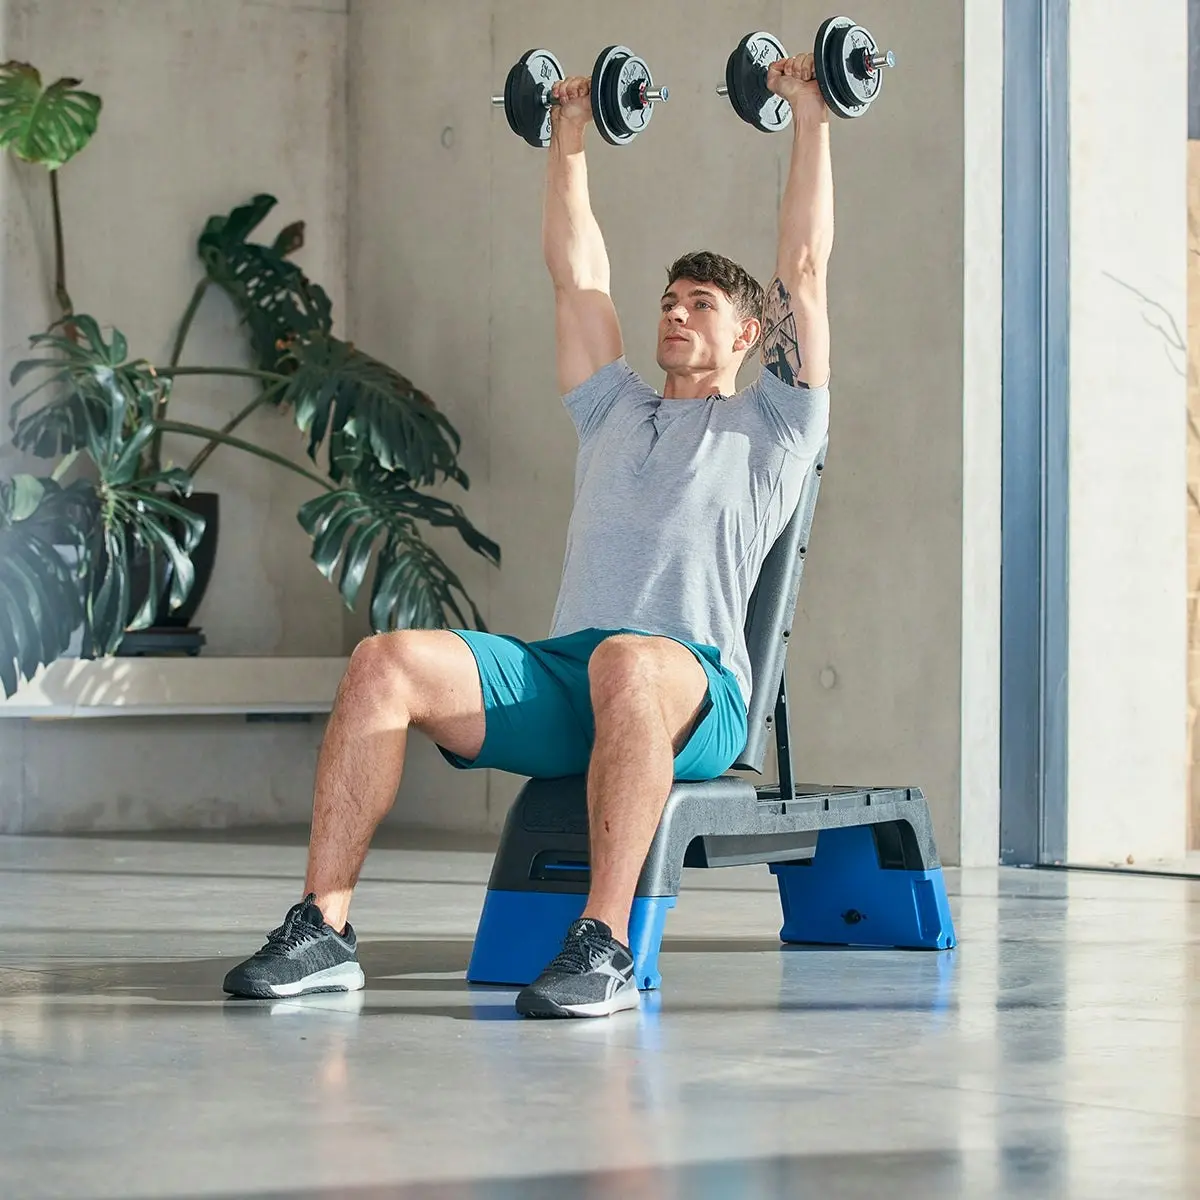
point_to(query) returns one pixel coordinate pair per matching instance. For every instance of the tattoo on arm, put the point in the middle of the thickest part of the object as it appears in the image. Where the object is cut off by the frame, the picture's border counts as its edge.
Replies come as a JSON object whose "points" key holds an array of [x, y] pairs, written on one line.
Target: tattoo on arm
{"points": [[780, 346]]}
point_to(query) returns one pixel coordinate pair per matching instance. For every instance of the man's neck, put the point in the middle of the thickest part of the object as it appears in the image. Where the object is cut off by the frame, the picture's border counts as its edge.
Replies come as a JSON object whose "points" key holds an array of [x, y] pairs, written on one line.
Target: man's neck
{"points": [[700, 387]]}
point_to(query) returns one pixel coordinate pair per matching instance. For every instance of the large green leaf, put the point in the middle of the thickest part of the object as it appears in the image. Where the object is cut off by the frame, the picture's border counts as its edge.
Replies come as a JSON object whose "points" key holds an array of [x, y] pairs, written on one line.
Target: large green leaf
{"points": [[356, 407], [92, 390], [47, 510], [44, 125], [26, 492], [145, 538], [106, 406], [143, 534], [414, 588], [367, 410], [274, 297], [41, 589]]}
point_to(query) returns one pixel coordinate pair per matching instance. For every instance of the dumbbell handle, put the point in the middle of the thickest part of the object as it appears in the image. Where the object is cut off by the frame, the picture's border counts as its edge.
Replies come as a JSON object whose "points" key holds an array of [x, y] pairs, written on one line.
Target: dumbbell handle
{"points": [[881, 58], [548, 100], [652, 96]]}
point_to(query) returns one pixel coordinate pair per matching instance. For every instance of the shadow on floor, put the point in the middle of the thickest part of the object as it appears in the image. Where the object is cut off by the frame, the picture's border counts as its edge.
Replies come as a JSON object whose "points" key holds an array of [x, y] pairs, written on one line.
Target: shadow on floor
{"points": [[194, 985], [930, 1174], [417, 966], [386, 964], [394, 965]]}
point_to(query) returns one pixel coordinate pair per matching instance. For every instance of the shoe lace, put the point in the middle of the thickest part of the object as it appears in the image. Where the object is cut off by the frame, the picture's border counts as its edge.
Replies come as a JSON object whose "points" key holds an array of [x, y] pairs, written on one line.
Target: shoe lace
{"points": [[580, 954], [289, 936]]}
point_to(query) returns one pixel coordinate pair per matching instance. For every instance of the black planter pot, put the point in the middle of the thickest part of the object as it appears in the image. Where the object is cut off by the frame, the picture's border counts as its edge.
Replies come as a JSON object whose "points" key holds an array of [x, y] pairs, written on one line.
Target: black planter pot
{"points": [[172, 632], [204, 557]]}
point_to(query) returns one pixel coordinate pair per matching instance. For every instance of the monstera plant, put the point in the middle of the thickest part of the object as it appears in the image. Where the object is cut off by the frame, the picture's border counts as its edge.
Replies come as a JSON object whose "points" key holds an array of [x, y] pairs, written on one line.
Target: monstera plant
{"points": [[102, 551]]}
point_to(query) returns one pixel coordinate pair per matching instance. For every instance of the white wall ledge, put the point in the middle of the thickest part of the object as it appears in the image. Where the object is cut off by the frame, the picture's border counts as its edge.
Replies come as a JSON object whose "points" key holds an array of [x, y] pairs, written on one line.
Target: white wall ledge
{"points": [[176, 687]]}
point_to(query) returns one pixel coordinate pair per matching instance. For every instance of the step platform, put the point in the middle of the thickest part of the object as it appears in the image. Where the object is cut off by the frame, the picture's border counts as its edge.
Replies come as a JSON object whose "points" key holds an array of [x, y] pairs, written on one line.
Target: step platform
{"points": [[855, 867]]}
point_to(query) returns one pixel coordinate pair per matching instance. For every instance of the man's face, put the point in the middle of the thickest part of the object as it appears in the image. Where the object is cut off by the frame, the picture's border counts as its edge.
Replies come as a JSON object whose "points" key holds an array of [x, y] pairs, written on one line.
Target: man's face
{"points": [[698, 329]]}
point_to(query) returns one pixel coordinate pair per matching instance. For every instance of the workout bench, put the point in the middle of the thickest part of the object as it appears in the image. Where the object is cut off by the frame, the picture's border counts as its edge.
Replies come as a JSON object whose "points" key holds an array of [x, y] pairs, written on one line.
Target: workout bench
{"points": [[855, 866]]}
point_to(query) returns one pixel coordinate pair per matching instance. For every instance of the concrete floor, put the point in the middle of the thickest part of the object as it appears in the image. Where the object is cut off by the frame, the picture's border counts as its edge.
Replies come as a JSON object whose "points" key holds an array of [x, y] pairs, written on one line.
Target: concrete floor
{"points": [[1055, 1053]]}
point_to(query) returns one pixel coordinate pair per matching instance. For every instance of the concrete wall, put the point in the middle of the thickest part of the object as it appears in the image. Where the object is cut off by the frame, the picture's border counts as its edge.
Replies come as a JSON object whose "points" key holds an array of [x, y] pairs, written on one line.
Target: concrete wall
{"points": [[204, 105], [1127, 702], [423, 217], [893, 669], [446, 276]]}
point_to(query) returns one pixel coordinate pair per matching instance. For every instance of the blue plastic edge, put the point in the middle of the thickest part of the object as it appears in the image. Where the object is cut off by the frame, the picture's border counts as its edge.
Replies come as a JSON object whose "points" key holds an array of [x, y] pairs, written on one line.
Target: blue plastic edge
{"points": [[520, 932], [844, 898]]}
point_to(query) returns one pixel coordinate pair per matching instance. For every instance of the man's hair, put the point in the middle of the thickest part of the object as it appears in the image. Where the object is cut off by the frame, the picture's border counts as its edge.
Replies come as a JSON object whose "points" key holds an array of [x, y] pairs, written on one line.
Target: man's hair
{"points": [[743, 290]]}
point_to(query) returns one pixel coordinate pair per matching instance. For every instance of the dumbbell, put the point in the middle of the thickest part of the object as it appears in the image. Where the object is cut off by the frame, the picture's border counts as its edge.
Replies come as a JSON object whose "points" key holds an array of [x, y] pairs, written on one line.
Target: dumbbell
{"points": [[623, 95], [849, 68]]}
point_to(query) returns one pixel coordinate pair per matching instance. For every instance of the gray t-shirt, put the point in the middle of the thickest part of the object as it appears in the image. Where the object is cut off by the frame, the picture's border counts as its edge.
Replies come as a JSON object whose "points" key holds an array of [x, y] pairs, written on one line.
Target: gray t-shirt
{"points": [[677, 503]]}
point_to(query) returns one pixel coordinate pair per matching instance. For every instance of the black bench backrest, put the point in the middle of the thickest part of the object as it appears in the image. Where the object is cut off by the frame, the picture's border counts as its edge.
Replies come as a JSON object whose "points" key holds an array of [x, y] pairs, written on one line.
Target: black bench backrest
{"points": [[769, 618]]}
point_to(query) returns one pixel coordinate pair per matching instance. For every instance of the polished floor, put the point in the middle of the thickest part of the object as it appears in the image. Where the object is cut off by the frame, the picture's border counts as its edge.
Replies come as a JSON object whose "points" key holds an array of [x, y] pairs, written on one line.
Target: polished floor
{"points": [[1055, 1053]]}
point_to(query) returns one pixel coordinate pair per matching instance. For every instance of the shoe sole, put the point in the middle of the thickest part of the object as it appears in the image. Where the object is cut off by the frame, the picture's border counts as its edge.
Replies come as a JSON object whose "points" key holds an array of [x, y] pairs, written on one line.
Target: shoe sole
{"points": [[345, 977], [540, 1006]]}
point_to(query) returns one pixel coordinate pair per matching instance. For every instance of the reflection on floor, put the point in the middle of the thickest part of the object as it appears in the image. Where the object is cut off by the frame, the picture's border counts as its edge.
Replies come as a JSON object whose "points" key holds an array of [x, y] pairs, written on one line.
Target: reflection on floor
{"points": [[1055, 1053], [1188, 867]]}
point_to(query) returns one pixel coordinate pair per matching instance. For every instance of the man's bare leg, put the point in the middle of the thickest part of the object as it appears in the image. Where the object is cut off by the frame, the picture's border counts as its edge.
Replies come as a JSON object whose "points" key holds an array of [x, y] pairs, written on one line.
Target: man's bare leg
{"points": [[426, 678], [646, 695]]}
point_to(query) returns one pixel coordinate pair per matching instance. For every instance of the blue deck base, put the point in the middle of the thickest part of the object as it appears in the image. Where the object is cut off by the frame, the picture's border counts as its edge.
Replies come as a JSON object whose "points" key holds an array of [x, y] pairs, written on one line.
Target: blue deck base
{"points": [[520, 932], [844, 898]]}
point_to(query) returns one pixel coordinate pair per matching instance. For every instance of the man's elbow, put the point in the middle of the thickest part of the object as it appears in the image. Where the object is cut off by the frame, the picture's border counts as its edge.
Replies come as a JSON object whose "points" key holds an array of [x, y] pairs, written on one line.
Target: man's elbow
{"points": [[574, 282], [806, 262], [805, 278], [808, 254]]}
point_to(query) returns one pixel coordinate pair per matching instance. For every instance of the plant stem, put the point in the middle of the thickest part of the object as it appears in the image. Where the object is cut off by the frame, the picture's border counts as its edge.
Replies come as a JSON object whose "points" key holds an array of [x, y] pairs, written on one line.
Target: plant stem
{"points": [[60, 266], [188, 317], [233, 372], [262, 398], [155, 449], [212, 435], [160, 408]]}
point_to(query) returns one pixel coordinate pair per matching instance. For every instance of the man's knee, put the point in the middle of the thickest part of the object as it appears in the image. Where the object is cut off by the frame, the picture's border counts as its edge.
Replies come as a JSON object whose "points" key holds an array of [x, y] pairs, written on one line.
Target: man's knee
{"points": [[389, 668], [422, 675], [628, 671], [623, 663]]}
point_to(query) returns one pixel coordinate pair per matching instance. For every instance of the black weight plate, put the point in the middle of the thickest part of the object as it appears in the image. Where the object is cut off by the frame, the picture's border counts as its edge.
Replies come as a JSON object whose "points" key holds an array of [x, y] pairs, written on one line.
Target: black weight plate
{"points": [[525, 92], [605, 106], [631, 116], [736, 73], [611, 99], [862, 82], [511, 83], [773, 112], [839, 68], [733, 76], [746, 82], [830, 67]]}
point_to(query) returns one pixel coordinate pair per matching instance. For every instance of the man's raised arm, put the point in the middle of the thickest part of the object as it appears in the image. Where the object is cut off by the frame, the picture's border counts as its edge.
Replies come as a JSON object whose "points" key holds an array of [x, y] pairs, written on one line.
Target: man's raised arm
{"points": [[587, 332], [795, 340]]}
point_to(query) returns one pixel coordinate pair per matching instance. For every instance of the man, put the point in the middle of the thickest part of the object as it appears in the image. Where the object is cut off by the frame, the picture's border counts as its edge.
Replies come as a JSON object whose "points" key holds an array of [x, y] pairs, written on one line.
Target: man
{"points": [[645, 677]]}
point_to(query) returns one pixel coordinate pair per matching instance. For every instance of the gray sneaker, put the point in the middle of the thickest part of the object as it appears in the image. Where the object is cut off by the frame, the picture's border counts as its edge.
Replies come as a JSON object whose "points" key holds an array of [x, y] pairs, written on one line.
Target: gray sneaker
{"points": [[591, 977], [303, 955]]}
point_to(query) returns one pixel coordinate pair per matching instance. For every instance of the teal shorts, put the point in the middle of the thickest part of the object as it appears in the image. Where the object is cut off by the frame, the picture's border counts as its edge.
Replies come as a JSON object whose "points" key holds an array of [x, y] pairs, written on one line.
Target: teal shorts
{"points": [[537, 702]]}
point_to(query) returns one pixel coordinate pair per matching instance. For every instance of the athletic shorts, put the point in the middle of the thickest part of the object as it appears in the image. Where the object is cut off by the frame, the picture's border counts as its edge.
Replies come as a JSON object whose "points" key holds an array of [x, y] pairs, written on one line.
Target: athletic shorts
{"points": [[538, 706]]}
